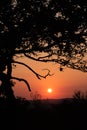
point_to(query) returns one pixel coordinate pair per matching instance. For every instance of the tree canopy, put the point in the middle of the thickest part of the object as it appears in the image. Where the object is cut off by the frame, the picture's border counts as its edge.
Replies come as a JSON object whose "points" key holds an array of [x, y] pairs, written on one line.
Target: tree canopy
{"points": [[43, 30]]}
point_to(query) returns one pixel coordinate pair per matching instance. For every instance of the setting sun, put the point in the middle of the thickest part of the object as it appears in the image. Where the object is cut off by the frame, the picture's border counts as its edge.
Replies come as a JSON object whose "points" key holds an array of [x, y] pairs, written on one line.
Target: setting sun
{"points": [[49, 90]]}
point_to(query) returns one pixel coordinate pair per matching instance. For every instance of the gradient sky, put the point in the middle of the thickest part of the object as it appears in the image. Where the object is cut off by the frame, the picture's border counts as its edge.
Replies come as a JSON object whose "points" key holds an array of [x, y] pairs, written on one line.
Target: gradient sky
{"points": [[64, 83]]}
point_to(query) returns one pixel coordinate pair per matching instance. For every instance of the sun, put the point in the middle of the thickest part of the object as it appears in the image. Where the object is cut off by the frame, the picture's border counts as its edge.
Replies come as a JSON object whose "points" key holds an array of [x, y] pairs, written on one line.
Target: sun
{"points": [[49, 90]]}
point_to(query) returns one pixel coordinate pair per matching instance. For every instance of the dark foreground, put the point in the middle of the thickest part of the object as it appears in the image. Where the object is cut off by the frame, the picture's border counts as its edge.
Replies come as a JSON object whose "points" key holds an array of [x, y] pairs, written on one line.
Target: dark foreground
{"points": [[21, 115]]}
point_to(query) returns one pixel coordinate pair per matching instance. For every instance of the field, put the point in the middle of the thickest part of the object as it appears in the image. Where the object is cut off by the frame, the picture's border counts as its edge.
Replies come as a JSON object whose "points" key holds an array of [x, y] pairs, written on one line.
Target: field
{"points": [[43, 115]]}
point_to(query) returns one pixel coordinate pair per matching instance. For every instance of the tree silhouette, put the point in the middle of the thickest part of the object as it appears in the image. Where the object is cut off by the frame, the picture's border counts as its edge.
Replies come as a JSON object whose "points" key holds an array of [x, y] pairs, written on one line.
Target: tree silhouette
{"points": [[42, 30]]}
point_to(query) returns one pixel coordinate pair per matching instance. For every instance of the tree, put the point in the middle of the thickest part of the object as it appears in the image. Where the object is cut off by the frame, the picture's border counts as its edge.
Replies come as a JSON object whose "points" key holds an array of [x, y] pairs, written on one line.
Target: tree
{"points": [[42, 30]]}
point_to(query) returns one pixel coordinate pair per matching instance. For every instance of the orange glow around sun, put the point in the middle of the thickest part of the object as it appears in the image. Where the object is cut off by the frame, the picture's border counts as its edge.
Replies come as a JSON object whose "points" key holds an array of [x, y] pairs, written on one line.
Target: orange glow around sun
{"points": [[49, 90]]}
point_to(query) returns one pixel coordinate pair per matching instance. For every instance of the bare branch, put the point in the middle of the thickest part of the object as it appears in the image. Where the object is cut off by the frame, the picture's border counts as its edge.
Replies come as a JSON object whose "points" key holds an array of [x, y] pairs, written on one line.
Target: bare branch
{"points": [[48, 74], [47, 56], [21, 79], [41, 60], [37, 75]]}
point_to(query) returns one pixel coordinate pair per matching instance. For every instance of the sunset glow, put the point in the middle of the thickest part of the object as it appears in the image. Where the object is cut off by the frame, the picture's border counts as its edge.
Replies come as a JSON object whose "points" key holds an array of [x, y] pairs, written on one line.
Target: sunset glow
{"points": [[49, 90]]}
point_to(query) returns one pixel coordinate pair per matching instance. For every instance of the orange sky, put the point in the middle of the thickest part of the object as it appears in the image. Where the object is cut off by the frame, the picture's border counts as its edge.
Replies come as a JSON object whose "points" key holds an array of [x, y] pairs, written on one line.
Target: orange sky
{"points": [[63, 83]]}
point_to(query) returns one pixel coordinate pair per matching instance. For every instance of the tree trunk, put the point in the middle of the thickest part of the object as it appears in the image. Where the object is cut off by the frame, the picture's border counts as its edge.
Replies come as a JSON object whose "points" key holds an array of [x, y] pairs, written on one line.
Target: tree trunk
{"points": [[6, 83]]}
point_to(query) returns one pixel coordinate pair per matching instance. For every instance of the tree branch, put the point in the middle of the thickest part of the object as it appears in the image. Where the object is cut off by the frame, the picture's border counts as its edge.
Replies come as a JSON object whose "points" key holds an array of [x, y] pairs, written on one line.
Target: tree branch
{"points": [[41, 60], [21, 79], [37, 75]]}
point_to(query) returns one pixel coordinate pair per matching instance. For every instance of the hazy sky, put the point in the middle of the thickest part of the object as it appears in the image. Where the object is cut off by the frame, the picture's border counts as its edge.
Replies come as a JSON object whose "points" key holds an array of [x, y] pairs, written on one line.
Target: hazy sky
{"points": [[63, 83]]}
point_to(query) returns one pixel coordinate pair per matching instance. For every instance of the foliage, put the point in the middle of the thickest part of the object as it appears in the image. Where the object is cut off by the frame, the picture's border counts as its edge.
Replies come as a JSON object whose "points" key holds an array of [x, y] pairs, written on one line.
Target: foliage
{"points": [[80, 96], [43, 30]]}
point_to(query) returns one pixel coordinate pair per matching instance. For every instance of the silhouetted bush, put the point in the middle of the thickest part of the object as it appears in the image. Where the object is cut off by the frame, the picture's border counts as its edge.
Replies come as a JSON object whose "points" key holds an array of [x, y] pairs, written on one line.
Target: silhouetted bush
{"points": [[80, 96]]}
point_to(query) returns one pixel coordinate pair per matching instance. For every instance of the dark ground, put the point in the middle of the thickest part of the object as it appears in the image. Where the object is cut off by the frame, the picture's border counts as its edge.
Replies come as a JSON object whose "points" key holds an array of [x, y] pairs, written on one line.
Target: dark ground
{"points": [[21, 115]]}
